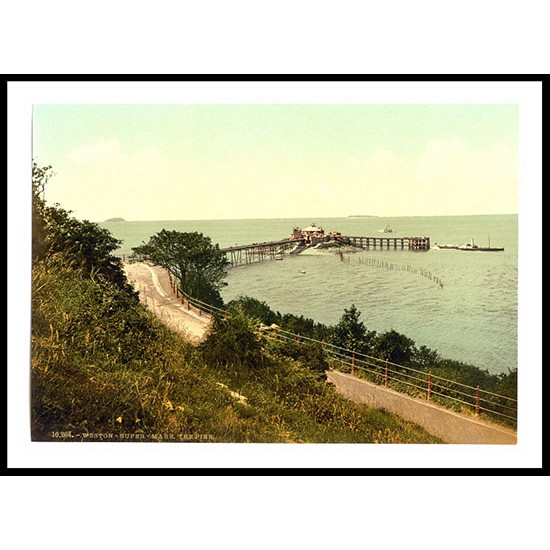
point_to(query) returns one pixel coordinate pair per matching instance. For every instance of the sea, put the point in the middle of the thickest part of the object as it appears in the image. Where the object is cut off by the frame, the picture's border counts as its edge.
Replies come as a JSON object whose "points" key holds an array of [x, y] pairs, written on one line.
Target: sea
{"points": [[462, 304]]}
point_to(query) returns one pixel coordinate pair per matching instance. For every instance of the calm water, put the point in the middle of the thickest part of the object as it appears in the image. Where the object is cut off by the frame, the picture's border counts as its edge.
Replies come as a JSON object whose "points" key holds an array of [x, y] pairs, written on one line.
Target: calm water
{"points": [[473, 318]]}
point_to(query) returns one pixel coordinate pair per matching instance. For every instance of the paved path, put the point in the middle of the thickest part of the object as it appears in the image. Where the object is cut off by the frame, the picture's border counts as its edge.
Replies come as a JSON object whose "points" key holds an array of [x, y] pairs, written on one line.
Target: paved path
{"points": [[153, 284], [450, 426]]}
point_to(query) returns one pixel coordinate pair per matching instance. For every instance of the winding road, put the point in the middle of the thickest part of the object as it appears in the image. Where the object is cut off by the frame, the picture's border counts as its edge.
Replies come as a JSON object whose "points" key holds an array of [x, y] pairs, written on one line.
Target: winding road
{"points": [[153, 284]]}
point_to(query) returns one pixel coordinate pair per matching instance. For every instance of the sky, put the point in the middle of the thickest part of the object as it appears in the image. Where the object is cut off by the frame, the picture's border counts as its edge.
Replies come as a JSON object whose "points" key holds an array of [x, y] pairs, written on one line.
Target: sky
{"points": [[238, 161]]}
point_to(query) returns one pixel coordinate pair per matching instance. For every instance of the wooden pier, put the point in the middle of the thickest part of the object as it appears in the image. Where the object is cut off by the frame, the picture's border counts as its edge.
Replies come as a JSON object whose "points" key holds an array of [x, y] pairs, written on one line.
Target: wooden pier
{"points": [[389, 243], [275, 250], [258, 252]]}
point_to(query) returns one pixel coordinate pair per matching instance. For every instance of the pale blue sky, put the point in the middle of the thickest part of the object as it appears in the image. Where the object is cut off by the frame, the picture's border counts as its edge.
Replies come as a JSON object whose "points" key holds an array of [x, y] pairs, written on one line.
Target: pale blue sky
{"points": [[160, 162]]}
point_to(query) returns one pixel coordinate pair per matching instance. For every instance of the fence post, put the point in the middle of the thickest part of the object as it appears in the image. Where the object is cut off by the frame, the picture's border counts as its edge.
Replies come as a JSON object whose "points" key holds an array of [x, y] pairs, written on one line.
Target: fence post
{"points": [[298, 340], [387, 373], [429, 384], [352, 362], [477, 401]]}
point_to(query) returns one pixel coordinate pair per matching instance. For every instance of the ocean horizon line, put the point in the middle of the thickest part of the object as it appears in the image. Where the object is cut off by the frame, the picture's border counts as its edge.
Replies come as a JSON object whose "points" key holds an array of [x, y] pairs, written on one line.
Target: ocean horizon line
{"points": [[123, 220]]}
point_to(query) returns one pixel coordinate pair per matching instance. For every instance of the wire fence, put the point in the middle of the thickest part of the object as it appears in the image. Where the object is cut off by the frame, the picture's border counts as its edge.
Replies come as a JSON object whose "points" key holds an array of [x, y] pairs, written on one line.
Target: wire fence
{"points": [[418, 383], [198, 306]]}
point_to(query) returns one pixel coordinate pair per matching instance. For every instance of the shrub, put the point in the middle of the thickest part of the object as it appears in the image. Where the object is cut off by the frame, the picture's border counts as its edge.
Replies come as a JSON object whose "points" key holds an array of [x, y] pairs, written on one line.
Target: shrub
{"points": [[234, 339]]}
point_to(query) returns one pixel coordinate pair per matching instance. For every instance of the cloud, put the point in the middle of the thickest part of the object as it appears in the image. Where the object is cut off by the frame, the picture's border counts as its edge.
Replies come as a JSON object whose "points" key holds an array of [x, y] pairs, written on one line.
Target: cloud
{"points": [[101, 180], [100, 151], [468, 180], [446, 177]]}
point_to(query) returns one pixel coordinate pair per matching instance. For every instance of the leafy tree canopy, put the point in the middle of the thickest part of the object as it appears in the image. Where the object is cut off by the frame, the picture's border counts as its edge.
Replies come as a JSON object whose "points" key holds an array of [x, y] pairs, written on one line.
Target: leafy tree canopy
{"points": [[351, 333], [83, 244], [394, 346], [199, 265]]}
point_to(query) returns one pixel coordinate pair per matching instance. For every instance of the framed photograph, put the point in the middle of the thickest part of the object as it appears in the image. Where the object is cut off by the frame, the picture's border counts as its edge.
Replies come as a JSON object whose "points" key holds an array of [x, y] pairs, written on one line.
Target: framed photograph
{"points": [[239, 273]]}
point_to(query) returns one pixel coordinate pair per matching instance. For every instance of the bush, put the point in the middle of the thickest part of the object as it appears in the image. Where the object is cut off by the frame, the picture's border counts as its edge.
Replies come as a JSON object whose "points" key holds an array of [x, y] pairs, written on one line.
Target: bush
{"points": [[310, 355], [234, 339], [254, 308]]}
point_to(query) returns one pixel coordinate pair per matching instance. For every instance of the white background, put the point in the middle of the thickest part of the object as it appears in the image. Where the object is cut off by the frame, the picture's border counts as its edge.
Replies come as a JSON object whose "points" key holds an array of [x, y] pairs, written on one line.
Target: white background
{"points": [[242, 512]]}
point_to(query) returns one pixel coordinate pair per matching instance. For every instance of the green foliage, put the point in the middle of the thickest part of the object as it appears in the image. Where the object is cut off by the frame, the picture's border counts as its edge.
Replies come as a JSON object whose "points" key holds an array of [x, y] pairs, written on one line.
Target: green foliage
{"points": [[85, 243], [507, 383], [82, 243], [199, 265], [395, 347], [234, 339], [303, 407], [464, 373], [297, 324], [87, 370], [424, 358], [102, 366], [40, 177], [309, 354], [255, 308], [351, 333]]}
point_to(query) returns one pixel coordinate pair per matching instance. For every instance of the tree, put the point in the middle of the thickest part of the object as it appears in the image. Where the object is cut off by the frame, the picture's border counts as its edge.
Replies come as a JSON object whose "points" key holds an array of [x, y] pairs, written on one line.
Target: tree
{"points": [[425, 358], [255, 308], [351, 333], [40, 176], [199, 265], [83, 243], [507, 383], [395, 347]]}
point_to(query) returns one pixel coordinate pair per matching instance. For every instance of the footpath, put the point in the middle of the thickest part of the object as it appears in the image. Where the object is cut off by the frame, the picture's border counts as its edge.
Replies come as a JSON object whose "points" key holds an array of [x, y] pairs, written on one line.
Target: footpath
{"points": [[153, 284]]}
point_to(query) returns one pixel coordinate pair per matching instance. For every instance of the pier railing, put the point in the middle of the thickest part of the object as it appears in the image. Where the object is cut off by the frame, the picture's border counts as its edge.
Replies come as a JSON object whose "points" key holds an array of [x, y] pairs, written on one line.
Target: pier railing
{"points": [[422, 384], [389, 243], [258, 252]]}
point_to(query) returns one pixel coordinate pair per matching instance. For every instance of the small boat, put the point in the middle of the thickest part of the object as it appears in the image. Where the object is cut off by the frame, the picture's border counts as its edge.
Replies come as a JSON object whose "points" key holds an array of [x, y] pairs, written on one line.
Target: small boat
{"points": [[388, 229], [303, 271], [473, 247]]}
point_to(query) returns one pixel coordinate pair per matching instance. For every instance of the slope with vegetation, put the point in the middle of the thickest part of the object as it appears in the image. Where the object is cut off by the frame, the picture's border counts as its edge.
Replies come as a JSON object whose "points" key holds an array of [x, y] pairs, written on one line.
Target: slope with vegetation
{"points": [[103, 368]]}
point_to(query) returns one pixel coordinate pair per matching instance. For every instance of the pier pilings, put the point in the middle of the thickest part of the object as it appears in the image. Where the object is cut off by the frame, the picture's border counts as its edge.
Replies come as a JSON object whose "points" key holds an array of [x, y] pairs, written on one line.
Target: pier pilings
{"points": [[389, 243], [275, 250]]}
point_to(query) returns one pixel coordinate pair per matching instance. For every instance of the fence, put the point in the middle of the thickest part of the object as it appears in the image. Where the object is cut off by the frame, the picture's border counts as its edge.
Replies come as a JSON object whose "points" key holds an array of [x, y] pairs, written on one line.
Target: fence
{"points": [[418, 383], [200, 307]]}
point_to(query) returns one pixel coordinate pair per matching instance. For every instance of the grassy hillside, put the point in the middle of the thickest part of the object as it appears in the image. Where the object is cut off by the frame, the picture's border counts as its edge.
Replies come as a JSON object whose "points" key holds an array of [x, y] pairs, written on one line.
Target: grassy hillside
{"points": [[103, 368]]}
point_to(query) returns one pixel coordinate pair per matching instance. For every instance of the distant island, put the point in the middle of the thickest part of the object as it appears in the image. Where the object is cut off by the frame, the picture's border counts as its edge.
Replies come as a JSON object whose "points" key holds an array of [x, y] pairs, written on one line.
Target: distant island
{"points": [[361, 216], [115, 220]]}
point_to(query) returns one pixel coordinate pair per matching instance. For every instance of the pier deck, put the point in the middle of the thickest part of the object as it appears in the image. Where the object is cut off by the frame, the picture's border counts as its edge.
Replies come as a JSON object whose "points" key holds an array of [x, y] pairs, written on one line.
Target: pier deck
{"points": [[275, 250], [258, 252], [390, 243]]}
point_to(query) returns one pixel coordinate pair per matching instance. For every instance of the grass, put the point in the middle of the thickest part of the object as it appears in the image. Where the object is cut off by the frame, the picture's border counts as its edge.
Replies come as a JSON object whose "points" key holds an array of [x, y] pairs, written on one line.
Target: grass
{"points": [[104, 368]]}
